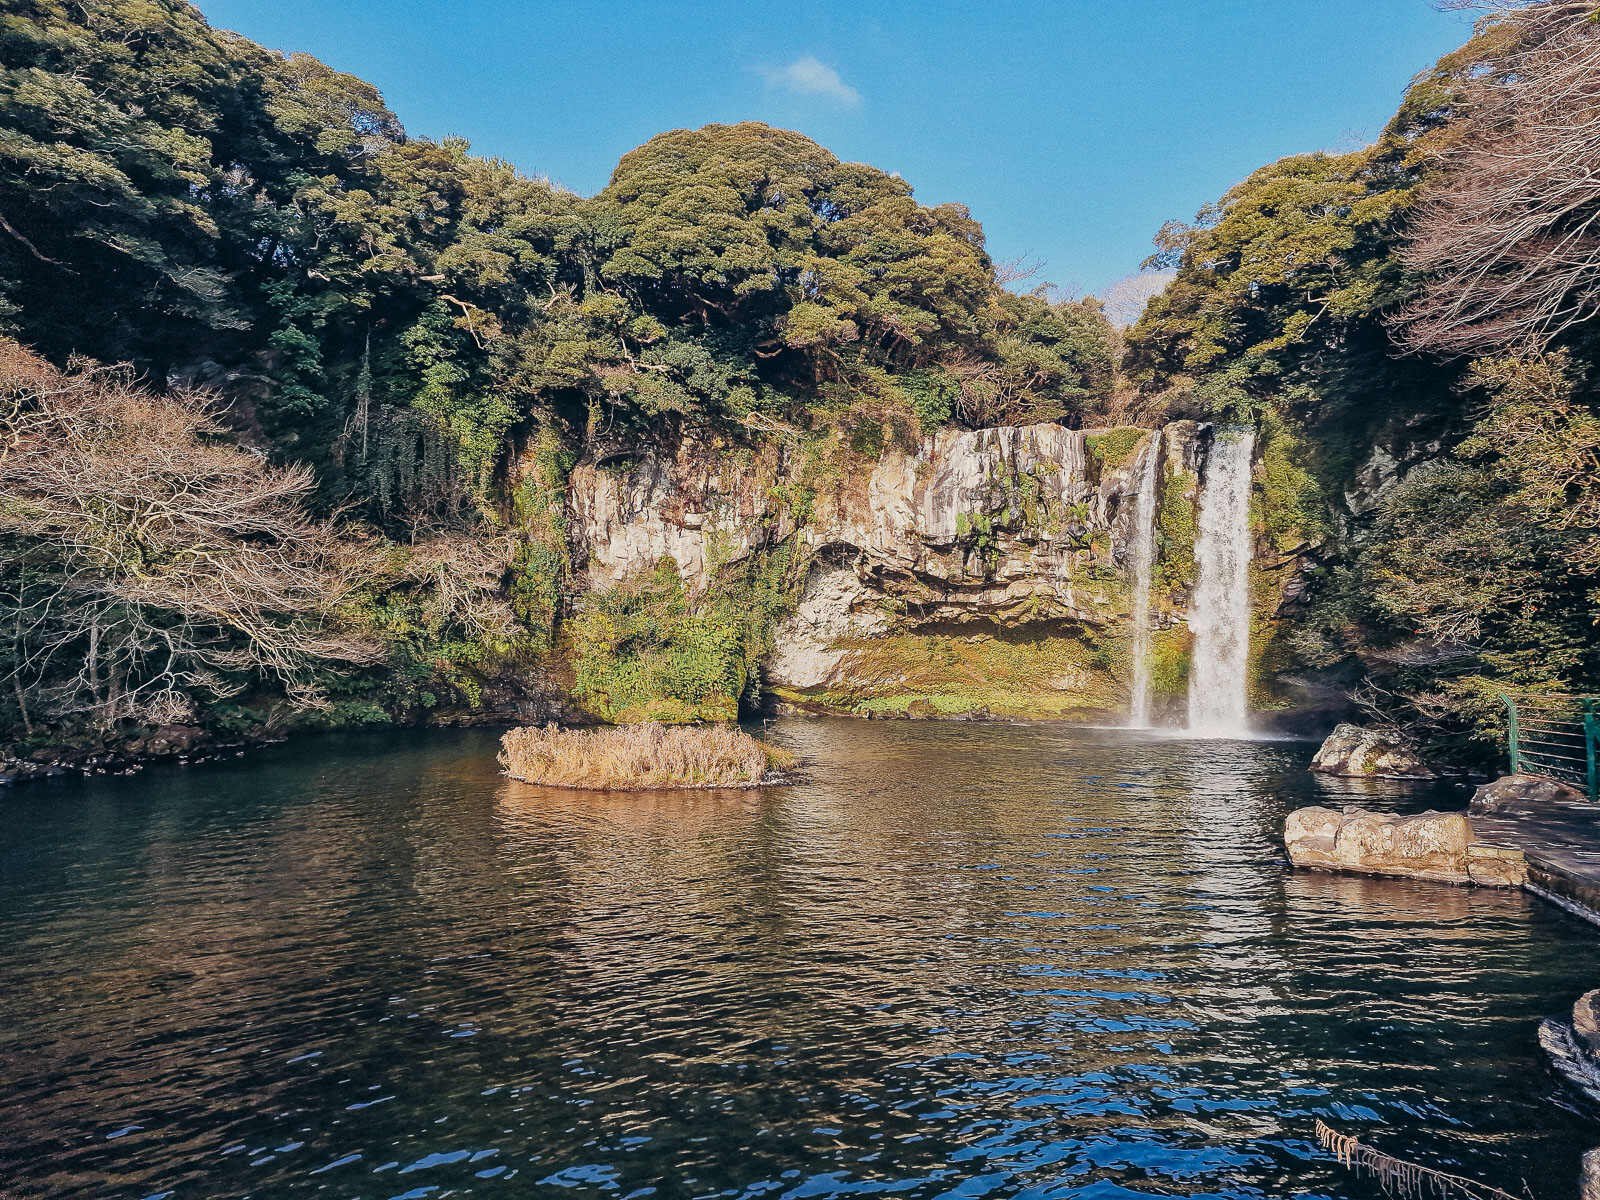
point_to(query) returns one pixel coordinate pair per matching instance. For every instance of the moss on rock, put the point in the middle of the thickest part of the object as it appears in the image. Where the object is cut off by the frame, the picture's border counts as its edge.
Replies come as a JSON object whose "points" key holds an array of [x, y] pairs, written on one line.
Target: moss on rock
{"points": [[1030, 673], [1169, 661], [1114, 448], [1177, 529], [1288, 504]]}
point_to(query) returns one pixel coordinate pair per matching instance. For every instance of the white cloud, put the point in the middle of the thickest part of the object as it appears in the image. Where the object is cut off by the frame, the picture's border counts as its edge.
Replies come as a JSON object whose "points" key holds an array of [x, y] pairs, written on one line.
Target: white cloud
{"points": [[810, 76]]}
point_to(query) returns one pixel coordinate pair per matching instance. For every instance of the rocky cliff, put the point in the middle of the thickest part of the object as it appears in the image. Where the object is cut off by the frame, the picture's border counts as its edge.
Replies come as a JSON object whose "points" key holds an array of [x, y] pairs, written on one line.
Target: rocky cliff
{"points": [[984, 570]]}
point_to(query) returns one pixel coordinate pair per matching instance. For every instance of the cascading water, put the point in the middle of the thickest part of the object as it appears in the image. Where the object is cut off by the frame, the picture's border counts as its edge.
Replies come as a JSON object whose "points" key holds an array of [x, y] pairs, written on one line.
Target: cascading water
{"points": [[1219, 614], [1142, 556]]}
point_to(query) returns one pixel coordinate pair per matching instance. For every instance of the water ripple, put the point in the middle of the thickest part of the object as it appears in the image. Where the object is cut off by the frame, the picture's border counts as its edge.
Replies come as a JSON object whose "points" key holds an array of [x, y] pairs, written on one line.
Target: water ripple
{"points": [[957, 960]]}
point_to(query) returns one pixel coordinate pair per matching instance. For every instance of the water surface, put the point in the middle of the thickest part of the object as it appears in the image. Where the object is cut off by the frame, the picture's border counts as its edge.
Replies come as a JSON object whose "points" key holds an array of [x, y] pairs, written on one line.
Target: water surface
{"points": [[955, 960]]}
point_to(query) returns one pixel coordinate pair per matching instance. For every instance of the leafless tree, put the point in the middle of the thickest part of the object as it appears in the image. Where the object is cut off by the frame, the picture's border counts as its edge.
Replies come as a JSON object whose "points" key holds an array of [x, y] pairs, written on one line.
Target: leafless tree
{"points": [[146, 563], [461, 578], [990, 394], [1508, 234]]}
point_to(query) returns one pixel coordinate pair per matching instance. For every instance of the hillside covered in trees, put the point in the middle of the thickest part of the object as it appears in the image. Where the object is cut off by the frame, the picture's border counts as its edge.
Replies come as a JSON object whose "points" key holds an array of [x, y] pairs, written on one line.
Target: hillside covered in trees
{"points": [[292, 398], [392, 320]]}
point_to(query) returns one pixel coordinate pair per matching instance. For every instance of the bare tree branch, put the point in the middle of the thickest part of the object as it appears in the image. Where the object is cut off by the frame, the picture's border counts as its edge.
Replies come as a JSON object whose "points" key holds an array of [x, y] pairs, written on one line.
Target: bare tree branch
{"points": [[1508, 236], [145, 564]]}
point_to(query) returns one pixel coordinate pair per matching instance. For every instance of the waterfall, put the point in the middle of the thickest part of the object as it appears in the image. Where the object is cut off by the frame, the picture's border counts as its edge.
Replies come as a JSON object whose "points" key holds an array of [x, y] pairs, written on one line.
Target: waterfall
{"points": [[1142, 553], [1219, 613]]}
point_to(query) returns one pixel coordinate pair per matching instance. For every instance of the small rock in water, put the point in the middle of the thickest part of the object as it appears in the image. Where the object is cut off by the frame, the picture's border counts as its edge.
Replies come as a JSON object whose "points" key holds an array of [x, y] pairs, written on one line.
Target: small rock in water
{"points": [[1513, 793], [1574, 1051], [1351, 750]]}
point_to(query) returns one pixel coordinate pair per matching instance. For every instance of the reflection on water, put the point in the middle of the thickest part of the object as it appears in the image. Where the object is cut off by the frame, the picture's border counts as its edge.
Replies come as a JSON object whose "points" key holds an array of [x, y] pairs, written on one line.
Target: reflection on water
{"points": [[955, 960]]}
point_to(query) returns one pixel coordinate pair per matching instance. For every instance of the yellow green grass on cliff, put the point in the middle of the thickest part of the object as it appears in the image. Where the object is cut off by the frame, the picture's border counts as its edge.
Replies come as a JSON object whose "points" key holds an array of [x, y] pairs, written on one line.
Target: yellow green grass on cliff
{"points": [[640, 756], [1115, 447]]}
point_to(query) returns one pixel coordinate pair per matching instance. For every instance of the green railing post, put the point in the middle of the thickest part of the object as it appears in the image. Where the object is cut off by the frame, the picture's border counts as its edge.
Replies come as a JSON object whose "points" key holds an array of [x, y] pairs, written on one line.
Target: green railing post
{"points": [[1511, 735], [1591, 736]]}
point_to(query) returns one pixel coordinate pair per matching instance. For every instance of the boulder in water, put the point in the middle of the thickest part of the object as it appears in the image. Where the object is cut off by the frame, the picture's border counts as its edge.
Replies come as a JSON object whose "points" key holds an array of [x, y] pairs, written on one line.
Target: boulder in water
{"points": [[1431, 845], [1574, 1050], [1358, 752], [1520, 793]]}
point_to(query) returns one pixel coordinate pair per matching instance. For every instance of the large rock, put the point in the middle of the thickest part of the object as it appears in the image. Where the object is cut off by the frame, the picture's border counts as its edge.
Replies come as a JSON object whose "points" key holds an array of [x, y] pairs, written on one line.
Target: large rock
{"points": [[1356, 752], [835, 608], [987, 531], [1574, 1050], [1020, 535], [1521, 793], [1432, 845]]}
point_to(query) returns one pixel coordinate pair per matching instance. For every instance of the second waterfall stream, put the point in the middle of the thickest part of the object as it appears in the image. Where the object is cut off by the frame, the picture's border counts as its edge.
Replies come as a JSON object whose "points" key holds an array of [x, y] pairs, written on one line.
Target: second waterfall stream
{"points": [[1143, 560], [1219, 616]]}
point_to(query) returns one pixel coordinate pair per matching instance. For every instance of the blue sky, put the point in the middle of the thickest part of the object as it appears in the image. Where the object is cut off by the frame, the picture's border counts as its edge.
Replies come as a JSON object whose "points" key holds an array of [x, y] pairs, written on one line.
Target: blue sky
{"points": [[1071, 128]]}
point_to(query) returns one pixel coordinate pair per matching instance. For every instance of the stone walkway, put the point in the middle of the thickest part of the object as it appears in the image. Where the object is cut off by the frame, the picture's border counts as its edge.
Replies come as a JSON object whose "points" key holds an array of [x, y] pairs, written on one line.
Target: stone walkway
{"points": [[1560, 842]]}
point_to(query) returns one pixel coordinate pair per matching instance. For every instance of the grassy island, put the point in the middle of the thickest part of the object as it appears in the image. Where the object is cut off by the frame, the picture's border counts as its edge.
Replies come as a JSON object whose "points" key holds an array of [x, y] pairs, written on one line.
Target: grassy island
{"points": [[640, 756]]}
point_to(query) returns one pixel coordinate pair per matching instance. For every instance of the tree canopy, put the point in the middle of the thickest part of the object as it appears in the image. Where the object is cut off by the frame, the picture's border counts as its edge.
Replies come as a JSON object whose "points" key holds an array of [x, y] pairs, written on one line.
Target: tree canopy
{"points": [[405, 325], [392, 308]]}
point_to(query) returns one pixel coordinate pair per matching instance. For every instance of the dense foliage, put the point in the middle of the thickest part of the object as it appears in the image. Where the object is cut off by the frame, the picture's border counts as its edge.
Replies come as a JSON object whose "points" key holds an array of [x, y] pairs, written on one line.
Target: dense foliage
{"points": [[433, 339], [266, 221], [391, 355]]}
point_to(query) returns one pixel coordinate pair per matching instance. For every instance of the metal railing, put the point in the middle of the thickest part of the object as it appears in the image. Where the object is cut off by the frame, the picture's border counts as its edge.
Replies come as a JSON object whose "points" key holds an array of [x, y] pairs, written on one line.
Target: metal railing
{"points": [[1556, 736]]}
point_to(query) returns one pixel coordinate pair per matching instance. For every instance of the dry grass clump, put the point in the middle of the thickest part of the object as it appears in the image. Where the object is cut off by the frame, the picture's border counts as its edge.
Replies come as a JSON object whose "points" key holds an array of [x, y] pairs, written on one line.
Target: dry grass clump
{"points": [[639, 756]]}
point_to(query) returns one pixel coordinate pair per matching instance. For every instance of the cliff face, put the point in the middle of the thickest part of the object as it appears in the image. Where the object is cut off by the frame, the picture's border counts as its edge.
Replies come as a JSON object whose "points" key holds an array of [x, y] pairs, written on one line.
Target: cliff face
{"points": [[985, 571]]}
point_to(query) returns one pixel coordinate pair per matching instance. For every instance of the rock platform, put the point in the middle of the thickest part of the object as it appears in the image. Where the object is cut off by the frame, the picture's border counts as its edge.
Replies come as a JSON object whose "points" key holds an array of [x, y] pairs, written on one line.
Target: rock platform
{"points": [[1436, 846], [1520, 831]]}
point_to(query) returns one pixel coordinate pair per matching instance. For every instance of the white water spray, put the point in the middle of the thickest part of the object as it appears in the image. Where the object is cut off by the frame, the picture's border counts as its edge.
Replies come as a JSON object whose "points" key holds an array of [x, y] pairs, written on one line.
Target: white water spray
{"points": [[1219, 614], [1142, 557]]}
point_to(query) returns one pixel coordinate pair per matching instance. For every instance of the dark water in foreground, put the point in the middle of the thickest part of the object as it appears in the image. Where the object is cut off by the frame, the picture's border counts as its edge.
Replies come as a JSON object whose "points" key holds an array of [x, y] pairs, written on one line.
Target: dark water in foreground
{"points": [[959, 960]]}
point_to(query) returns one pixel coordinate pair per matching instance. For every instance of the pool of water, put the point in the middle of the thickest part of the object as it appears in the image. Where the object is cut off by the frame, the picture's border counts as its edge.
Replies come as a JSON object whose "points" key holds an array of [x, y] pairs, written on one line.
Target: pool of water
{"points": [[952, 960]]}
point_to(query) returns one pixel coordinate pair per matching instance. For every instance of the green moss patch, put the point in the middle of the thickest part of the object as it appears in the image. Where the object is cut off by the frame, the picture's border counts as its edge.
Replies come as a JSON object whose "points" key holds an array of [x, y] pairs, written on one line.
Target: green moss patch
{"points": [[1169, 661], [1177, 529], [1115, 448], [1289, 505], [646, 650], [1036, 673]]}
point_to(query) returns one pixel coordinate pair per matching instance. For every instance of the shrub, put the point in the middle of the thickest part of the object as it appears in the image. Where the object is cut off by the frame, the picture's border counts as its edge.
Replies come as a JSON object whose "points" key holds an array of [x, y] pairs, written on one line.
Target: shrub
{"points": [[639, 756], [1115, 447], [441, 609], [147, 567], [647, 650], [641, 652], [933, 396]]}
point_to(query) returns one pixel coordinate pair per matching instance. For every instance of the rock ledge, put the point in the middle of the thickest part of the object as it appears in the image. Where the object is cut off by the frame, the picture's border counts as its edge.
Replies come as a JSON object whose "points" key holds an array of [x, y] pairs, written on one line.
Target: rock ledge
{"points": [[1516, 793], [1432, 845]]}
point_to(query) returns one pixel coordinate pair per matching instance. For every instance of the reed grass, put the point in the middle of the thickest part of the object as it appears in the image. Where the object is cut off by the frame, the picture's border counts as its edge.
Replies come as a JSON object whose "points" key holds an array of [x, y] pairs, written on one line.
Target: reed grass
{"points": [[640, 757]]}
